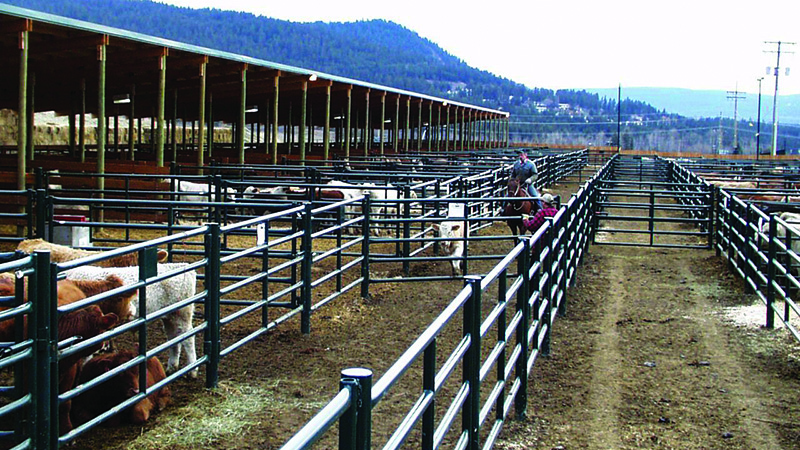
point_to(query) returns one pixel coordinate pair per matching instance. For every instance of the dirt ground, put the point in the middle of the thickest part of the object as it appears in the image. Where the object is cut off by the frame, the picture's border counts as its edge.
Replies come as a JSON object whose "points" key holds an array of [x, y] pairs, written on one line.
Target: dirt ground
{"points": [[647, 356]]}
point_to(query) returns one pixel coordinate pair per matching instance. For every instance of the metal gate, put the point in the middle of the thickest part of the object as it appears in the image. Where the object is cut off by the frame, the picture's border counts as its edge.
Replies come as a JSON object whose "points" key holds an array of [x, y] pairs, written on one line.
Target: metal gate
{"points": [[638, 203]]}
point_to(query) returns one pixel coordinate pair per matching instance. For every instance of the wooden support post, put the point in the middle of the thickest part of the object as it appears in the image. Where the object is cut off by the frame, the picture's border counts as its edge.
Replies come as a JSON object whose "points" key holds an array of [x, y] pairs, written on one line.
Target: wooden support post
{"points": [[383, 120], [72, 131], [326, 136], [210, 125], [430, 125], [439, 128], [396, 137], [22, 112], [131, 115], [367, 139], [419, 126], [174, 126], [302, 125], [82, 123], [202, 117], [461, 130], [347, 123], [31, 149], [275, 95], [407, 129], [101, 112], [240, 127], [116, 128], [447, 129], [162, 92]]}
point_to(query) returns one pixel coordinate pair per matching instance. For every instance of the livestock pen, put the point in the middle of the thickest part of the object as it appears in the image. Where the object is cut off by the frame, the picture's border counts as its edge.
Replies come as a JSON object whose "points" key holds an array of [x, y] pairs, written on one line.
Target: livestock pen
{"points": [[296, 246]]}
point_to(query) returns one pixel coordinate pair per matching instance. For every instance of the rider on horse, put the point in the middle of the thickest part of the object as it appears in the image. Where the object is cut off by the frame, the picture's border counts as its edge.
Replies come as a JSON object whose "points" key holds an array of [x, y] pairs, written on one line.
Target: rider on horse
{"points": [[525, 172]]}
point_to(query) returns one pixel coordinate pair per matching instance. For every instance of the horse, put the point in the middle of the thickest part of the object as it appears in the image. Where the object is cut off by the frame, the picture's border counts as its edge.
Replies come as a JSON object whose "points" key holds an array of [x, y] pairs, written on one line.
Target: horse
{"points": [[517, 207]]}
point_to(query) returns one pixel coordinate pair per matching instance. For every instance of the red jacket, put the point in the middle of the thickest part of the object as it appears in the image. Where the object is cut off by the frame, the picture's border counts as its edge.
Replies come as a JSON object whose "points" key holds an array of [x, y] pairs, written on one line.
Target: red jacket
{"points": [[538, 219]]}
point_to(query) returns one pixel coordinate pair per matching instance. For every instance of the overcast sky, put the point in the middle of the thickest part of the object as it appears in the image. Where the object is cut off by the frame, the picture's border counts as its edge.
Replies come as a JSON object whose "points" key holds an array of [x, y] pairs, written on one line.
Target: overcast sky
{"points": [[694, 44]]}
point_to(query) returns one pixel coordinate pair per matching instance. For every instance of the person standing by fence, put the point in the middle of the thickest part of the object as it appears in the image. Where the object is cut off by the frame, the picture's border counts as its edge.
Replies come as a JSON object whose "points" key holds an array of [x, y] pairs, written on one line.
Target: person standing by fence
{"points": [[548, 210]]}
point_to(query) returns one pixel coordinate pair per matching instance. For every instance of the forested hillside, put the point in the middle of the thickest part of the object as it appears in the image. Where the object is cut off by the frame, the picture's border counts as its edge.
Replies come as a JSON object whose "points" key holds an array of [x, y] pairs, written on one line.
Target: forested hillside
{"points": [[386, 53]]}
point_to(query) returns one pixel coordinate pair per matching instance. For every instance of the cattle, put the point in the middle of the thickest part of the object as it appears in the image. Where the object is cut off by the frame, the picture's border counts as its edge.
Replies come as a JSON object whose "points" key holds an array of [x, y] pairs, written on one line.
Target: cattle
{"points": [[274, 199], [68, 292], [113, 392], [87, 323], [61, 253], [191, 192], [454, 247], [732, 184], [84, 323], [159, 295]]}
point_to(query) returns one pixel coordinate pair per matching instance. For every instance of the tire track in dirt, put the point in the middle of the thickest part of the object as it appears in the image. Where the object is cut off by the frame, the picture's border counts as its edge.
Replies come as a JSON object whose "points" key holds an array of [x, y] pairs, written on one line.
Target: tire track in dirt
{"points": [[740, 388], [605, 396]]}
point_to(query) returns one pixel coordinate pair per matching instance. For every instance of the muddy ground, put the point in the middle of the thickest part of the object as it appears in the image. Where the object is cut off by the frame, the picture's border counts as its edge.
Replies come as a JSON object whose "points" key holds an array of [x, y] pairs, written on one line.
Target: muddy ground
{"points": [[646, 357]]}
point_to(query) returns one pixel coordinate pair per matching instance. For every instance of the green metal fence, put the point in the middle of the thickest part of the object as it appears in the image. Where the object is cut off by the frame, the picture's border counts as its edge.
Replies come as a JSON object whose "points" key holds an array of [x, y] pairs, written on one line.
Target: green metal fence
{"points": [[531, 286]]}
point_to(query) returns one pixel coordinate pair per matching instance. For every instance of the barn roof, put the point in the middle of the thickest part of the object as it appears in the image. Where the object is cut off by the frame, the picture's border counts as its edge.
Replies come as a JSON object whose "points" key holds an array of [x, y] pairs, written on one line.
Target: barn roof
{"points": [[63, 56]]}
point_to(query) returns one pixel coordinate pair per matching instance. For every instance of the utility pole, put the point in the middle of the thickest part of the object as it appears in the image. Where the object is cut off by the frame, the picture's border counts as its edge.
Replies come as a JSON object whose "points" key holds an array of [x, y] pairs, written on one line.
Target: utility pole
{"points": [[758, 127], [619, 117], [719, 134], [734, 95], [775, 97]]}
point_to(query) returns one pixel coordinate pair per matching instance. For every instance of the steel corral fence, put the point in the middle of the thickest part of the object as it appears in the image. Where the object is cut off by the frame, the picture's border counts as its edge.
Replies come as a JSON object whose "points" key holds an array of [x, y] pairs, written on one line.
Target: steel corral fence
{"points": [[287, 245], [763, 249], [658, 196], [534, 278]]}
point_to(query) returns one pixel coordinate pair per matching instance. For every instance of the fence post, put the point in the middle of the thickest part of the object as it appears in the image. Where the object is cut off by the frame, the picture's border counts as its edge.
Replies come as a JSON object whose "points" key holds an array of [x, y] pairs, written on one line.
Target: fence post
{"points": [[436, 206], [217, 197], [211, 344], [711, 214], [366, 205], [545, 291], [651, 223], [305, 271], [41, 215], [470, 415], [771, 261], [523, 328], [339, 220], [355, 427], [465, 253], [406, 232], [748, 254], [348, 421], [429, 385], [44, 377], [563, 242], [147, 269]]}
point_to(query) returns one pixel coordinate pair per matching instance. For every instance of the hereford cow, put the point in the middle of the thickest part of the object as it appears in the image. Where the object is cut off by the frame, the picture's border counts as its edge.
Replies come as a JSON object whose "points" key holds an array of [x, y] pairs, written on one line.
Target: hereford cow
{"points": [[61, 253], [113, 392], [455, 231]]}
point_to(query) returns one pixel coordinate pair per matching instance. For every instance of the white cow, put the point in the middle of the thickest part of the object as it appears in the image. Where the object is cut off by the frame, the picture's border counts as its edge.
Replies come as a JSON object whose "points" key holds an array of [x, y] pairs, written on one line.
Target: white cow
{"points": [[454, 230], [159, 295], [192, 192]]}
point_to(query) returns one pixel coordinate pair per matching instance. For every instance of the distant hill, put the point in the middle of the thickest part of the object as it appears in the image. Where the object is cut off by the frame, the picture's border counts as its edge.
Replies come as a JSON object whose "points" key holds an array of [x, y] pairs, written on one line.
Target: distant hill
{"points": [[386, 53], [377, 51], [697, 104]]}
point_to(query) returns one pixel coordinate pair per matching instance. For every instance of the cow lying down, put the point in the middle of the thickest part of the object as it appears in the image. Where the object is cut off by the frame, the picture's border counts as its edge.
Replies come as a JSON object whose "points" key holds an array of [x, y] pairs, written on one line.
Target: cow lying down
{"points": [[113, 392], [159, 295]]}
